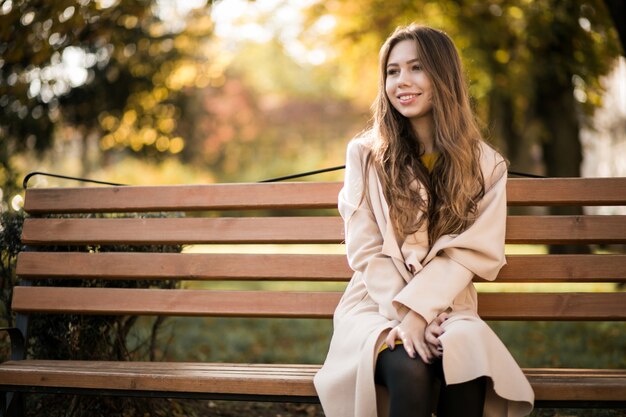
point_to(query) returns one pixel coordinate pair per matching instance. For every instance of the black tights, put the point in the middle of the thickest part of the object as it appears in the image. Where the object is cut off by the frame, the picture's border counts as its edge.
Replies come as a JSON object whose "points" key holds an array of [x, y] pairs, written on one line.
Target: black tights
{"points": [[411, 385]]}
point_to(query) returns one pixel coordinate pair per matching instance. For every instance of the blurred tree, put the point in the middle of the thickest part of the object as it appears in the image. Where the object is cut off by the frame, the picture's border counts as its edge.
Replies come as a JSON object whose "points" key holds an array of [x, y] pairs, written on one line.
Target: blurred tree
{"points": [[107, 68], [534, 66], [617, 10], [128, 76], [546, 60], [272, 116]]}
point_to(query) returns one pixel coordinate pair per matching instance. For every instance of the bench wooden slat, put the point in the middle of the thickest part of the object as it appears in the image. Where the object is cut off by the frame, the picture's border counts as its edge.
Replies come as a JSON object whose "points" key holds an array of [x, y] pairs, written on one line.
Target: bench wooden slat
{"points": [[492, 306], [564, 268], [187, 230], [566, 191], [174, 302], [160, 376], [294, 195], [552, 306], [134, 231], [521, 191], [288, 267], [261, 379], [577, 384], [183, 266], [566, 229]]}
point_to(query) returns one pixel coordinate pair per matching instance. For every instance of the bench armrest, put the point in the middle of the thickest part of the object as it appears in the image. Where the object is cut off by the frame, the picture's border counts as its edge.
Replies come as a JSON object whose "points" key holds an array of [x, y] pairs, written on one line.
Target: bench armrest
{"points": [[18, 351]]}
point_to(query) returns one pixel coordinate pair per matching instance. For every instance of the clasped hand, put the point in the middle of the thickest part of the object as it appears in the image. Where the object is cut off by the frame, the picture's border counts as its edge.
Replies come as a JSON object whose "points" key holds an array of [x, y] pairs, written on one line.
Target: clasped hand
{"points": [[418, 337]]}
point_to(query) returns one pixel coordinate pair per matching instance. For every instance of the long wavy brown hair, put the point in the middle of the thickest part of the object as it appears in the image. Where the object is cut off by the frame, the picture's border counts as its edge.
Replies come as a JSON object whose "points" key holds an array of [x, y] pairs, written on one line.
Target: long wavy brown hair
{"points": [[456, 184]]}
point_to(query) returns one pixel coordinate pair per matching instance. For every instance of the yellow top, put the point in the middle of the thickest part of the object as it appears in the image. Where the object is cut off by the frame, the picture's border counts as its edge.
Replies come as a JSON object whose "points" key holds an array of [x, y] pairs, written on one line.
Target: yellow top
{"points": [[384, 346], [429, 160]]}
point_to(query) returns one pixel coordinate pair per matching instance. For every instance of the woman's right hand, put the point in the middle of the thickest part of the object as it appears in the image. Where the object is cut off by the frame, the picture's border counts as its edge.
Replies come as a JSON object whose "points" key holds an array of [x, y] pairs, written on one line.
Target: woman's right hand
{"points": [[432, 333], [411, 332]]}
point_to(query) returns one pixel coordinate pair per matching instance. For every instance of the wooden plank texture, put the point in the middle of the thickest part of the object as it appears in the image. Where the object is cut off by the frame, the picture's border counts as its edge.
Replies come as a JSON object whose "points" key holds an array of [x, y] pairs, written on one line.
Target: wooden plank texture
{"points": [[566, 229], [160, 376], [174, 302], [183, 266], [261, 379], [566, 191], [578, 384], [564, 268], [552, 306], [521, 191], [183, 230], [492, 306], [287, 267], [133, 231], [287, 195]]}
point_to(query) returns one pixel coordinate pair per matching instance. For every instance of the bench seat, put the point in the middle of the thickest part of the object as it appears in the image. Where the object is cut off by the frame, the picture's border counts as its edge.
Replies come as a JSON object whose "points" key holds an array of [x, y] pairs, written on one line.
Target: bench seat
{"points": [[578, 387]]}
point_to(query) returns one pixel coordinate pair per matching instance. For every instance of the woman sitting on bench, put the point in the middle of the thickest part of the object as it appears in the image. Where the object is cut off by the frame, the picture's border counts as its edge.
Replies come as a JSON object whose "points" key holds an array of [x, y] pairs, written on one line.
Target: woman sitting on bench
{"points": [[424, 207]]}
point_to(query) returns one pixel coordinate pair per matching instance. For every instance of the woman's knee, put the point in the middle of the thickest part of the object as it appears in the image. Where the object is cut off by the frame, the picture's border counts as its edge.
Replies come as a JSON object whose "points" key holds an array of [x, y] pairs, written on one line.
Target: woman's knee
{"points": [[398, 368]]}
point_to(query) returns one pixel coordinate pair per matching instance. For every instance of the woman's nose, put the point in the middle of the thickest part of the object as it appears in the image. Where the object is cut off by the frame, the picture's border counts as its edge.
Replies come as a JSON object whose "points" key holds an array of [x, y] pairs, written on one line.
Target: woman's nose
{"points": [[403, 78]]}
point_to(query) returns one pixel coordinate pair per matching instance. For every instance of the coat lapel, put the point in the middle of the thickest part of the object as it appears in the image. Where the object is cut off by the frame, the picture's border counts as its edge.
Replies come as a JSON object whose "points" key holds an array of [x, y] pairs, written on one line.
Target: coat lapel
{"points": [[409, 254]]}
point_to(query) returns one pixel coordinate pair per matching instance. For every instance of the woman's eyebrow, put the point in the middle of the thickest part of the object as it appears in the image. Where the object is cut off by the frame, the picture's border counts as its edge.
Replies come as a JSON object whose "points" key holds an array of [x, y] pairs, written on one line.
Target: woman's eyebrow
{"points": [[410, 61]]}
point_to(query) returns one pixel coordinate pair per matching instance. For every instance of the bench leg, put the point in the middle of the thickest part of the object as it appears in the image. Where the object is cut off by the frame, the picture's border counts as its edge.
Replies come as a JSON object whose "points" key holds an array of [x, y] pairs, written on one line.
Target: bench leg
{"points": [[11, 404]]}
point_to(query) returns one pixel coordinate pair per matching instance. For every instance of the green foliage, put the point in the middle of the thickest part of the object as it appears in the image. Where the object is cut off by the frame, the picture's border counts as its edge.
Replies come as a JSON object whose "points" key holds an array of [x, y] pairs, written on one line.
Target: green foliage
{"points": [[244, 340], [533, 344], [10, 232], [114, 70], [162, 93], [565, 344]]}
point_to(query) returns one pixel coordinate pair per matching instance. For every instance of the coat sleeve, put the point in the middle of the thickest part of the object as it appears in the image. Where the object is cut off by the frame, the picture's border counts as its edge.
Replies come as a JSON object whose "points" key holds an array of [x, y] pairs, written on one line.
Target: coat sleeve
{"points": [[455, 259], [364, 238]]}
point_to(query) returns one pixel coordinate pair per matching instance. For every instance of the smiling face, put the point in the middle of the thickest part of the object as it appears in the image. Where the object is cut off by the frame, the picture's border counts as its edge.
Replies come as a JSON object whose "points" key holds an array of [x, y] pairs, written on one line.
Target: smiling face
{"points": [[408, 87]]}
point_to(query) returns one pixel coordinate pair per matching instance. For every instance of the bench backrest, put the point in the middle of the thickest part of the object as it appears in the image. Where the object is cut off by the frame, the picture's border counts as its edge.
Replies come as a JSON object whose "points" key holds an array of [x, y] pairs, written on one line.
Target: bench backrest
{"points": [[291, 213]]}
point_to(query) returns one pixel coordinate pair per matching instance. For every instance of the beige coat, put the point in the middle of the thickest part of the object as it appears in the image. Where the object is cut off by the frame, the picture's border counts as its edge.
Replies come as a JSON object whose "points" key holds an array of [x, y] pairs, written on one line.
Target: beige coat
{"points": [[391, 277]]}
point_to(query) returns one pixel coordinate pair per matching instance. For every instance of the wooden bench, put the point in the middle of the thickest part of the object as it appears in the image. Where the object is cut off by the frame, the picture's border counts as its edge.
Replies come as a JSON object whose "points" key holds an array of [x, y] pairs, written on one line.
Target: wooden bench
{"points": [[277, 224]]}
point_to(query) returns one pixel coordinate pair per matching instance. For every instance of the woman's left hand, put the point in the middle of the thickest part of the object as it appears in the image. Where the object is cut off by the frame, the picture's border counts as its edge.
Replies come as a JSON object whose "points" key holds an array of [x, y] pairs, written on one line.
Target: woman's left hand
{"points": [[411, 332], [432, 333]]}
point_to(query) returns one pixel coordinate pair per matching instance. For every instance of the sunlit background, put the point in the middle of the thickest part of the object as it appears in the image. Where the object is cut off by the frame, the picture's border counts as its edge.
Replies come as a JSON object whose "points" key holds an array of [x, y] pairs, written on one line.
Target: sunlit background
{"points": [[148, 92], [167, 92]]}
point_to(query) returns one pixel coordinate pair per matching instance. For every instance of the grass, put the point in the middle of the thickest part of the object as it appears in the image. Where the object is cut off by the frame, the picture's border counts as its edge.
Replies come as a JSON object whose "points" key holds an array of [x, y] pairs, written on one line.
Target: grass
{"points": [[533, 344]]}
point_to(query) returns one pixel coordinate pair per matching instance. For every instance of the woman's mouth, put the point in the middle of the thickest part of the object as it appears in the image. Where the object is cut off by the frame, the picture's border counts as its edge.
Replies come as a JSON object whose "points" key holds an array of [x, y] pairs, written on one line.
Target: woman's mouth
{"points": [[407, 98]]}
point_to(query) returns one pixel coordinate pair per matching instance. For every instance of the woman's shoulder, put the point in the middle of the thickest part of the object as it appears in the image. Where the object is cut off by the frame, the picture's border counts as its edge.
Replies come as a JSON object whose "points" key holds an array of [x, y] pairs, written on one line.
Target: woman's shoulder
{"points": [[493, 165], [364, 141], [361, 145]]}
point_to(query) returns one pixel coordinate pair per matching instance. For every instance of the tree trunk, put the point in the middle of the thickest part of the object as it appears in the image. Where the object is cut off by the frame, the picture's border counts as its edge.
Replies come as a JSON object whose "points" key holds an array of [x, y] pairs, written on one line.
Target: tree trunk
{"points": [[562, 150], [617, 10], [515, 145], [503, 130]]}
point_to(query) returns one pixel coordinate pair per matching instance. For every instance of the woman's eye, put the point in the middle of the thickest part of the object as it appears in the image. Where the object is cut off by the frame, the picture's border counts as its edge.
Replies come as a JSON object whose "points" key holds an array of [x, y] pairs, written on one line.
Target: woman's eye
{"points": [[417, 67], [392, 71]]}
